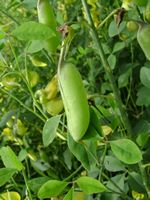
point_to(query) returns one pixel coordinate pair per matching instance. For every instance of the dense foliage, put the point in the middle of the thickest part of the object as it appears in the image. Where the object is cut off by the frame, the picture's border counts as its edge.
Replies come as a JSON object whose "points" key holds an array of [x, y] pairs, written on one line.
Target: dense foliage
{"points": [[38, 157]]}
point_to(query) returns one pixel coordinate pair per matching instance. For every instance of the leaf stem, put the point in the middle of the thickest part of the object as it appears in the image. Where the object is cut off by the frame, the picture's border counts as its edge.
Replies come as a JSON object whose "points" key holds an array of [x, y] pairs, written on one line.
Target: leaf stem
{"points": [[73, 174], [107, 69]]}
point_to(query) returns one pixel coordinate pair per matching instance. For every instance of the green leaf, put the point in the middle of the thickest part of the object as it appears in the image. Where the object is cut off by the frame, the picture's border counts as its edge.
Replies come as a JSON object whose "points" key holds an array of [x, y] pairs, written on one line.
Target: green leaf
{"points": [[6, 117], [10, 159], [112, 61], [90, 185], [112, 164], [126, 151], [119, 180], [140, 2], [35, 46], [68, 158], [49, 130], [124, 78], [78, 151], [135, 182], [118, 46], [114, 30], [143, 97], [33, 31], [36, 183], [6, 174], [142, 139], [10, 196], [94, 130], [29, 4], [69, 195], [145, 76], [51, 188], [2, 35]]}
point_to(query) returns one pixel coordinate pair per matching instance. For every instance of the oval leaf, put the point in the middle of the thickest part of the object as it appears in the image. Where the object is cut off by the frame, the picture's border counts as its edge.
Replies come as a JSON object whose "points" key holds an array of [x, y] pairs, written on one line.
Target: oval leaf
{"points": [[145, 76], [49, 130], [78, 150], [126, 151], [6, 174], [90, 185], [10, 159], [112, 164], [33, 31], [51, 188]]}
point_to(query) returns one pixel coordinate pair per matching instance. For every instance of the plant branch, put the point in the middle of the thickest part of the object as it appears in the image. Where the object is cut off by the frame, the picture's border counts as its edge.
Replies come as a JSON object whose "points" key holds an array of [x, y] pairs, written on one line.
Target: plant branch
{"points": [[108, 17], [22, 104], [107, 69], [73, 174]]}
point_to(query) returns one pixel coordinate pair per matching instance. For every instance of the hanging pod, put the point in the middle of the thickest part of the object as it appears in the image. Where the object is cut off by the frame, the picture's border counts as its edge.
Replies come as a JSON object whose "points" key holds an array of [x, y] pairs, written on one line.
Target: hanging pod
{"points": [[46, 16], [74, 99]]}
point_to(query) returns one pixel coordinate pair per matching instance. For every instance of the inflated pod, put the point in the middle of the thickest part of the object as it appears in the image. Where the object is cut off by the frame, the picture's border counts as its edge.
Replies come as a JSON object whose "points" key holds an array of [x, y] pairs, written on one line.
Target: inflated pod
{"points": [[143, 37], [46, 16], [74, 99]]}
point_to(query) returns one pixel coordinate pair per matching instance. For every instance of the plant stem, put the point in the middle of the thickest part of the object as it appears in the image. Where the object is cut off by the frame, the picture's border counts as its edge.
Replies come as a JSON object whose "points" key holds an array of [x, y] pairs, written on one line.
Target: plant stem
{"points": [[9, 16], [29, 196], [22, 104], [73, 174], [61, 57], [108, 70], [108, 17], [145, 178]]}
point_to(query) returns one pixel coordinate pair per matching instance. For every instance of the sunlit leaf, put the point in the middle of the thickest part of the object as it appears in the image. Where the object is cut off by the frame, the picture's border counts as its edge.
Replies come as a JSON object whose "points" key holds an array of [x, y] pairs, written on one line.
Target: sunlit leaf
{"points": [[90, 185], [51, 188], [10, 196], [10, 159]]}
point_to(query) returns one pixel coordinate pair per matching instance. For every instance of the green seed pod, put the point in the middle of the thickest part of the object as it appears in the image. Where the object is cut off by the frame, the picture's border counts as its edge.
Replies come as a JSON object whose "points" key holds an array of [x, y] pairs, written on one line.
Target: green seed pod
{"points": [[143, 37], [46, 16], [75, 100]]}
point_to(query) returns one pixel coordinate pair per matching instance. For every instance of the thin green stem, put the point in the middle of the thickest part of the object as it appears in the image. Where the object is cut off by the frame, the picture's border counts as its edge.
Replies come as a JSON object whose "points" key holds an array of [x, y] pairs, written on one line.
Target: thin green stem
{"points": [[62, 54], [145, 178], [9, 16], [73, 174], [22, 104], [107, 18], [29, 197], [108, 70], [103, 174]]}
